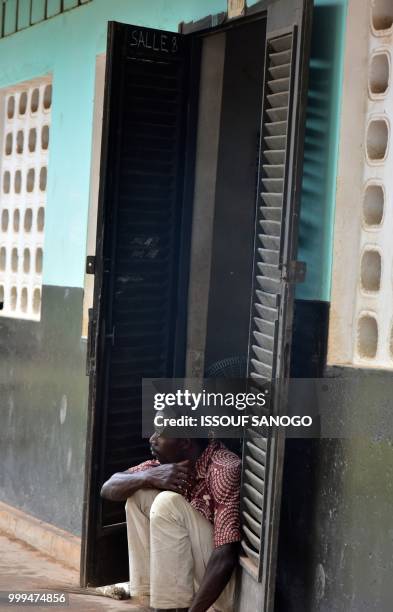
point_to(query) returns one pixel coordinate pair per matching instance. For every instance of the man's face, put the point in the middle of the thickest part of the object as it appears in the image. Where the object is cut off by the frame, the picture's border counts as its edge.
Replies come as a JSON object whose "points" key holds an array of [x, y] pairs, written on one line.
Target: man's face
{"points": [[167, 450]]}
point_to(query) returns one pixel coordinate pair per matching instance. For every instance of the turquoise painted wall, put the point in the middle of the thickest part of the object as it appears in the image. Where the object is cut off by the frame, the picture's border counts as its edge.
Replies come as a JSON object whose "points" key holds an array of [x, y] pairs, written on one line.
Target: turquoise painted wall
{"points": [[321, 148], [67, 46]]}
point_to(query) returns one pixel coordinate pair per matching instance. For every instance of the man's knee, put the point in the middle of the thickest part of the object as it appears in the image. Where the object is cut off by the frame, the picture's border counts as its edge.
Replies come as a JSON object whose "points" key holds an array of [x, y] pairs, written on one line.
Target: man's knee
{"points": [[135, 500], [140, 501], [167, 504]]}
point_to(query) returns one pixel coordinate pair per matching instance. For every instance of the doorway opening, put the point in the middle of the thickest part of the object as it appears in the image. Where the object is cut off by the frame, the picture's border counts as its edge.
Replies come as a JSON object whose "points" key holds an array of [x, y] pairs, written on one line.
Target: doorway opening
{"points": [[196, 233], [233, 221], [144, 239], [225, 195]]}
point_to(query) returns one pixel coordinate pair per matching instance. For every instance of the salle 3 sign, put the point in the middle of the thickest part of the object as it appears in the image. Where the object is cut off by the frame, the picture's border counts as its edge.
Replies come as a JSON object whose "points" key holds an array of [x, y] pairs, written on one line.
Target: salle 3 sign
{"points": [[155, 41]]}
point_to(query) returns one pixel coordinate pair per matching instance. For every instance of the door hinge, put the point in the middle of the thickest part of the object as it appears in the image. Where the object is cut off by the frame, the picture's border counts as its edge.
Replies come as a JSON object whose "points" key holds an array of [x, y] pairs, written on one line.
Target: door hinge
{"points": [[294, 272], [90, 264]]}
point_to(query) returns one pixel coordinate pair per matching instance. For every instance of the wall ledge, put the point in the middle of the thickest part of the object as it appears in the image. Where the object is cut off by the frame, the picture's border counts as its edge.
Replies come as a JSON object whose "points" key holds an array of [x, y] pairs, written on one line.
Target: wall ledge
{"points": [[48, 539]]}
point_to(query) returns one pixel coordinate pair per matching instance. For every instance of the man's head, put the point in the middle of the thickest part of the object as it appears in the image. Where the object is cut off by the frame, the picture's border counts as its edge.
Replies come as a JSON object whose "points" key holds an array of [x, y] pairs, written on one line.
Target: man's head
{"points": [[173, 450]]}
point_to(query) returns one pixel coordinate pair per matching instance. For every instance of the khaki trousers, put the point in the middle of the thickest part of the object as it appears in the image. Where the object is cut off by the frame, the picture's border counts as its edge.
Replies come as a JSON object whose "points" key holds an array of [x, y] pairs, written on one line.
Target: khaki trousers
{"points": [[169, 546]]}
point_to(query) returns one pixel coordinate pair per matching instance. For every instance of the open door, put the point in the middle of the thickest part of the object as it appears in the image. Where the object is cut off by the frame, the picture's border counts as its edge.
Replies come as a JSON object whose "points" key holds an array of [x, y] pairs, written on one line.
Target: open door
{"points": [[275, 273], [137, 325]]}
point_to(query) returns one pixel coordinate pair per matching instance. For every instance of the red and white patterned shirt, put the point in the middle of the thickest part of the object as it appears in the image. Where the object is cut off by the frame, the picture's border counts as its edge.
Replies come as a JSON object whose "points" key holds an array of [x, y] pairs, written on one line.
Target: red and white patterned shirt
{"points": [[214, 490]]}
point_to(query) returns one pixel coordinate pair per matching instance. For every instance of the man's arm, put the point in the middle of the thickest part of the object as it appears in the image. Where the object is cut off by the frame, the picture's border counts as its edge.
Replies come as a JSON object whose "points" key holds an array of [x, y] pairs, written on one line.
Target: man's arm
{"points": [[218, 572], [168, 477], [122, 485]]}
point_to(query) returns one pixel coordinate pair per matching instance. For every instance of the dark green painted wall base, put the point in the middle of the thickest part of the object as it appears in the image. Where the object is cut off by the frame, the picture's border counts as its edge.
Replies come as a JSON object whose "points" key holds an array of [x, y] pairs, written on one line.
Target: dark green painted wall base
{"points": [[43, 406], [336, 529]]}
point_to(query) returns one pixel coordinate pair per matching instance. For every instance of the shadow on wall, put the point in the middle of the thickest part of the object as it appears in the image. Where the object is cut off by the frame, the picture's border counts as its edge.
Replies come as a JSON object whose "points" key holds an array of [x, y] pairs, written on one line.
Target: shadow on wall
{"points": [[317, 201]]}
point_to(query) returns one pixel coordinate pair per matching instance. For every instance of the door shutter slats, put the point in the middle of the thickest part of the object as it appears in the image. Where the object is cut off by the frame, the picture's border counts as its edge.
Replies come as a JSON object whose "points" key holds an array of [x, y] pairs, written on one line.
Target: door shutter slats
{"points": [[280, 71], [269, 270], [274, 185], [277, 114], [250, 552], [257, 453], [275, 143], [282, 134], [264, 312], [252, 493], [267, 299], [264, 355], [269, 242], [254, 540], [254, 525], [264, 327], [282, 58], [256, 467], [276, 128], [270, 285], [253, 510], [276, 100], [262, 362], [259, 442], [281, 44], [271, 227], [254, 481], [266, 341], [267, 314], [272, 213], [278, 85], [272, 199], [274, 157], [261, 371], [274, 171]]}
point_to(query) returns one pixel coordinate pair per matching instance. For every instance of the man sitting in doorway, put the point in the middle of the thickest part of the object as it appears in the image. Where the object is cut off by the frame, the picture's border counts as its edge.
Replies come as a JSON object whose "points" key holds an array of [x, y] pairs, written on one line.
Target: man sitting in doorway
{"points": [[183, 524]]}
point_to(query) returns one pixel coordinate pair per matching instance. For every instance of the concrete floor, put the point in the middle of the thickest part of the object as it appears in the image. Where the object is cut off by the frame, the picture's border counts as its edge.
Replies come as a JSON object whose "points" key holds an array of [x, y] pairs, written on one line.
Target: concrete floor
{"points": [[22, 568]]}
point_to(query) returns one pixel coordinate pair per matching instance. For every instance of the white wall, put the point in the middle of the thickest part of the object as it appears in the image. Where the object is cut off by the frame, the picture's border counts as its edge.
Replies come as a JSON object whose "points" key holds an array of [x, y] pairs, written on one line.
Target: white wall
{"points": [[362, 285]]}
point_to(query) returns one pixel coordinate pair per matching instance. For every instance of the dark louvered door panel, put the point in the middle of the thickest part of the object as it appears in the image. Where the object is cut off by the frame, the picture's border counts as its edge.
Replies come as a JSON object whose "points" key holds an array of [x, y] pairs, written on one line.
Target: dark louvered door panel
{"points": [[269, 286], [254, 473], [282, 135], [146, 255], [142, 241]]}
